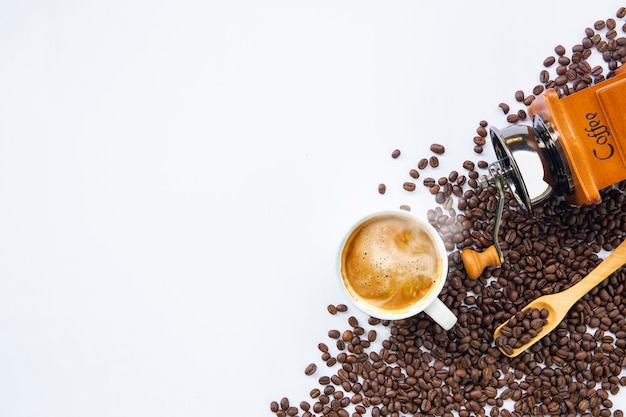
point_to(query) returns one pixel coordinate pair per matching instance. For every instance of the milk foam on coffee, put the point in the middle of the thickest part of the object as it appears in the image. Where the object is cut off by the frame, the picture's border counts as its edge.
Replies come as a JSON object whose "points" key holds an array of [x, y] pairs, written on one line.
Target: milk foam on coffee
{"points": [[390, 262]]}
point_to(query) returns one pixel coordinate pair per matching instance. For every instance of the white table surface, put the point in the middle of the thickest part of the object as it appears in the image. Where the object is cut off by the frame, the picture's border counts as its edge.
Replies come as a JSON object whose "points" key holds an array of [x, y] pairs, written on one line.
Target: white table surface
{"points": [[175, 178]]}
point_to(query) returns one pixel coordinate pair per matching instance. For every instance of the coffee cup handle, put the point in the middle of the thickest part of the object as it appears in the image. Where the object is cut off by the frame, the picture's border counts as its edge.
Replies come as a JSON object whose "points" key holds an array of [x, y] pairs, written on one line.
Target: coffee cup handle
{"points": [[440, 313]]}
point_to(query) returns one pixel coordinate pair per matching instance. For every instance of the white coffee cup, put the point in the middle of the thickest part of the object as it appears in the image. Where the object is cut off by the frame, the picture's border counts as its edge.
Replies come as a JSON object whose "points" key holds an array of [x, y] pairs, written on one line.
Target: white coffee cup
{"points": [[393, 265]]}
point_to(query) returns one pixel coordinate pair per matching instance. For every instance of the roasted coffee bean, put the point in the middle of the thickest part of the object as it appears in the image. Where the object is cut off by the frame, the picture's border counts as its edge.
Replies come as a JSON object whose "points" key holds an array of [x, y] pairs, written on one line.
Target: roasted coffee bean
{"points": [[560, 50], [382, 188], [346, 335], [561, 80], [519, 95], [433, 161], [342, 308], [512, 118], [423, 163], [395, 153], [324, 380], [414, 173], [429, 182], [468, 165], [409, 186], [481, 131], [274, 407], [371, 335], [548, 62], [504, 107], [479, 140], [437, 148]]}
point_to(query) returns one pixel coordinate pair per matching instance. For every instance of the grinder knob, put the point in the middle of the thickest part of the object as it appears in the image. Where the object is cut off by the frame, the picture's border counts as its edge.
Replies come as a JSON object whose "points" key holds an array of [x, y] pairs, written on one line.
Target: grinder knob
{"points": [[475, 262]]}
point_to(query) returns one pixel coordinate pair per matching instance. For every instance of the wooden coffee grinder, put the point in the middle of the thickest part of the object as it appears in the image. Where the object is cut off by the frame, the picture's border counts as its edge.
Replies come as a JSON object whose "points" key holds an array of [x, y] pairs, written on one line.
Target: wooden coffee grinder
{"points": [[579, 144]]}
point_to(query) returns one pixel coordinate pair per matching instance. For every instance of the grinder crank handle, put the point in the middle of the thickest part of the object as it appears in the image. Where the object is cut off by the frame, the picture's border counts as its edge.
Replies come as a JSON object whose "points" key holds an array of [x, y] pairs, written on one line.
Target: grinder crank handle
{"points": [[474, 262]]}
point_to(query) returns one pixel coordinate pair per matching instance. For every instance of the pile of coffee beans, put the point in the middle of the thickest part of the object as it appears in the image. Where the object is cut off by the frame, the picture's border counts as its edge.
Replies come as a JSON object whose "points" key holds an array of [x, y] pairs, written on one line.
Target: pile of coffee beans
{"points": [[520, 329], [420, 369]]}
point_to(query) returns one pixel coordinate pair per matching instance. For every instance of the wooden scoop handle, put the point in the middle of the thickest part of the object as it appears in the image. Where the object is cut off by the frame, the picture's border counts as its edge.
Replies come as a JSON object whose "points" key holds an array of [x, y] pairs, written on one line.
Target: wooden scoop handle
{"points": [[475, 262]]}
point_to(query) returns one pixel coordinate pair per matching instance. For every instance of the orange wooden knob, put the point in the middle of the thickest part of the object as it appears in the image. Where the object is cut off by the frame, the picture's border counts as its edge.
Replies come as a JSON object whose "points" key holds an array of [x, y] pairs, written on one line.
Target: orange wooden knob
{"points": [[475, 262]]}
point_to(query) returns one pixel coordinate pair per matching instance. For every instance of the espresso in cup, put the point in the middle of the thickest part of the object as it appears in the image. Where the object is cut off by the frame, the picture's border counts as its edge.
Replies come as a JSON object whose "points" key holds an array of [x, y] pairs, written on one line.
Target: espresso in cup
{"points": [[393, 265]]}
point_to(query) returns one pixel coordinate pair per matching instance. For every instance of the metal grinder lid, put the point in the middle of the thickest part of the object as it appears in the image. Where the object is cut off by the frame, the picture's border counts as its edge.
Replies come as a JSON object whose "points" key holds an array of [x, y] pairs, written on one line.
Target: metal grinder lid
{"points": [[514, 146]]}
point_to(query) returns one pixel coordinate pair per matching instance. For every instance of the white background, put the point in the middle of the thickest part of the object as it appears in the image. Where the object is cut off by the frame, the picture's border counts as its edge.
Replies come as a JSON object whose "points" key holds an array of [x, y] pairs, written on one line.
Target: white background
{"points": [[176, 176]]}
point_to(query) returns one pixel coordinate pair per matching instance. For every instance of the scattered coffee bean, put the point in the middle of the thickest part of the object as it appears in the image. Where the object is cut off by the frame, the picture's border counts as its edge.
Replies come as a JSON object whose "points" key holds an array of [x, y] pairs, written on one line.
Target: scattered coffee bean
{"points": [[512, 118], [414, 173], [468, 165], [549, 61], [310, 369], [423, 163], [479, 140], [395, 153], [433, 161], [333, 334], [382, 188], [505, 107], [429, 182], [274, 407], [519, 95], [409, 186], [564, 60], [437, 148]]}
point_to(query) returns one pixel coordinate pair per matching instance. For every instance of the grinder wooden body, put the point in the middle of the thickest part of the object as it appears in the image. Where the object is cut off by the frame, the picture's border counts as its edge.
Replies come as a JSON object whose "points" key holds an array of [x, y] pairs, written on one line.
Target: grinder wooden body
{"points": [[590, 126]]}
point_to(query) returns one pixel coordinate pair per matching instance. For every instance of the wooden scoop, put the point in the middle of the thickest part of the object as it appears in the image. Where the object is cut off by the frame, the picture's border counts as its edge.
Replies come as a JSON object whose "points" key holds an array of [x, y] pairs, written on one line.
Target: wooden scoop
{"points": [[559, 304]]}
